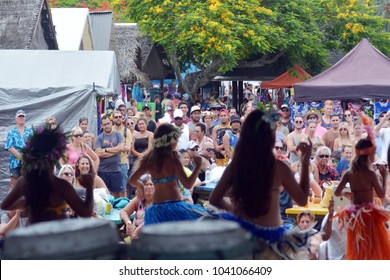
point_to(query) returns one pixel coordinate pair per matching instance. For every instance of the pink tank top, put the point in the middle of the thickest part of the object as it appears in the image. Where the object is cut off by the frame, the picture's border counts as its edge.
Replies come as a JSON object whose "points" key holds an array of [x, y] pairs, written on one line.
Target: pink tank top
{"points": [[73, 155]]}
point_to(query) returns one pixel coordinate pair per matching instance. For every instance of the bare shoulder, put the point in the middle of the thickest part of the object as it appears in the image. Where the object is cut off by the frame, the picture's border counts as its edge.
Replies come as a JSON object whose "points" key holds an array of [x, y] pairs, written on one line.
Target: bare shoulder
{"points": [[61, 183], [281, 166]]}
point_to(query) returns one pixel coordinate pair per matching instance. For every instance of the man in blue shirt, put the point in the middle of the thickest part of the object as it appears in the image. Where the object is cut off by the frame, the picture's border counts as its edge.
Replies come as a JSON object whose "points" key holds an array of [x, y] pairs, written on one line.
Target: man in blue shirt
{"points": [[347, 154], [16, 140]]}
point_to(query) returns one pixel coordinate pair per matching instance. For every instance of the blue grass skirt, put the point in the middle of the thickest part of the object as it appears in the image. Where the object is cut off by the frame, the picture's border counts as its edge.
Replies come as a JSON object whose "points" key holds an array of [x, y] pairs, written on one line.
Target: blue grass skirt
{"points": [[284, 241], [176, 210]]}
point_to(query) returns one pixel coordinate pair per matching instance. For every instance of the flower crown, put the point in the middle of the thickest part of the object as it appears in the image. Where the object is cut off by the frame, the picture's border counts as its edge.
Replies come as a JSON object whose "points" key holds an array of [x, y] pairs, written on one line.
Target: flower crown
{"points": [[43, 149], [270, 116], [167, 139]]}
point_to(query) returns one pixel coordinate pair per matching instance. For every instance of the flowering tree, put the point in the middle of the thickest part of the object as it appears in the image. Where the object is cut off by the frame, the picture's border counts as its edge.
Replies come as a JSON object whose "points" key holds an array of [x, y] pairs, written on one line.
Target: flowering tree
{"points": [[217, 36], [94, 5]]}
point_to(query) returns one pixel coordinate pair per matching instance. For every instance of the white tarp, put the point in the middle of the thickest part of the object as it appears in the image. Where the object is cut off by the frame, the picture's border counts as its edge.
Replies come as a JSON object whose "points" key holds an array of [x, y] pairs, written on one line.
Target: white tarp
{"points": [[47, 83]]}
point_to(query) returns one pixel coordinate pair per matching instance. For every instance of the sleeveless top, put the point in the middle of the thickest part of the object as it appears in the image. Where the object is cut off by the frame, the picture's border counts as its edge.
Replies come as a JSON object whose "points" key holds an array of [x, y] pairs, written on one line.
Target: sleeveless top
{"points": [[73, 155], [232, 140], [141, 144], [325, 125], [293, 156], [220, 133]]}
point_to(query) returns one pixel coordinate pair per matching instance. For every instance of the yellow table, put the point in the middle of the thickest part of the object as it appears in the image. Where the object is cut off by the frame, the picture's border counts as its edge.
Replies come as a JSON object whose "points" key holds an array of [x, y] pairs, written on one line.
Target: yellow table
{"points": [[316, 209]]}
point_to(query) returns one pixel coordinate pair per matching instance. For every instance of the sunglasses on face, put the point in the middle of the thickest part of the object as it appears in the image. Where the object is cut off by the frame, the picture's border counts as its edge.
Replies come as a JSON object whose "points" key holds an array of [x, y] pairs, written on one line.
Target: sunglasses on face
{"points": [[117, 117], [284, 110], [77, 135], [68, 174], [194, 149], [278, 148], [341, 129], [53, 123], [298, 121], [178, 119], [312, 117], [130, 123], [347, 115], [210, 150], [324, 156]]}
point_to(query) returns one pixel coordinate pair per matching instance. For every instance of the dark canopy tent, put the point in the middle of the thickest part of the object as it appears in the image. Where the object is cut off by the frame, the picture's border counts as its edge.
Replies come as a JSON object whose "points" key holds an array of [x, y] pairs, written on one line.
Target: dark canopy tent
{"points": [[295, 75], [363, 73]]}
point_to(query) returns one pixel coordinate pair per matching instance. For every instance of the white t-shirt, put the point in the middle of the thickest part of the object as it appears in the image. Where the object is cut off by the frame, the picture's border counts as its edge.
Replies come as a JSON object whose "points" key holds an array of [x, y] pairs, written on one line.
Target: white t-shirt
{"points": [[336, 243], [384, 134], [182, 143]]}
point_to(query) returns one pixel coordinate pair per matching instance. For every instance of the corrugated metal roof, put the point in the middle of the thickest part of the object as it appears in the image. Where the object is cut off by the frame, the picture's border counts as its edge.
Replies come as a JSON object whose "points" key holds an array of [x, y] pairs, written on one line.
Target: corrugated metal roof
{"points": [[101, 25]]}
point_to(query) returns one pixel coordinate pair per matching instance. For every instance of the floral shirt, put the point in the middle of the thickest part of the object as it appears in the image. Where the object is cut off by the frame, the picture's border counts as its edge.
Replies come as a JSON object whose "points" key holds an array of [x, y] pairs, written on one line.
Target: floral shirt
{"points": [[16, 141], [331, 174]]}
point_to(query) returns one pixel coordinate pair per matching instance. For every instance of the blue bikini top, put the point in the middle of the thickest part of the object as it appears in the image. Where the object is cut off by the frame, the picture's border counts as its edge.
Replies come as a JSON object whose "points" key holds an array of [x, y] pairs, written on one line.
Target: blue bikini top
{"points": [[164, 180]]}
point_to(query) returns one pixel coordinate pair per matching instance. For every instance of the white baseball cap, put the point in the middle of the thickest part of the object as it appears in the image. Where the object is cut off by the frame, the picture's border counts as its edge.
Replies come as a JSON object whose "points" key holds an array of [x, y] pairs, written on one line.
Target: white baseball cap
{"points": [[178, 113]]}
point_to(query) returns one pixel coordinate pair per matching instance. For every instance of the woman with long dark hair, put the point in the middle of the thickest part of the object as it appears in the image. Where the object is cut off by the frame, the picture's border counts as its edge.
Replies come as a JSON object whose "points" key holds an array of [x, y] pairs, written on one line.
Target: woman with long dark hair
{"points": [[43, 195], [253, 178]]}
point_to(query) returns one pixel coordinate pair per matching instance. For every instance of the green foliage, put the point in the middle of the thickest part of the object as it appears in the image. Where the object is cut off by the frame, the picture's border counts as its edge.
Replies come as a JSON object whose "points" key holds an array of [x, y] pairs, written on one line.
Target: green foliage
{"points": [[201, 31], [232, 31], [95, 5]]}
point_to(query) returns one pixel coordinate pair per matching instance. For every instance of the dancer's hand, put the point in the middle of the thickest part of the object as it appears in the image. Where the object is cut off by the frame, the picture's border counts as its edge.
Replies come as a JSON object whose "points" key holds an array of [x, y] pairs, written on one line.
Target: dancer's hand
{"points": [[306, 149], [86, 180], [198, 160]]}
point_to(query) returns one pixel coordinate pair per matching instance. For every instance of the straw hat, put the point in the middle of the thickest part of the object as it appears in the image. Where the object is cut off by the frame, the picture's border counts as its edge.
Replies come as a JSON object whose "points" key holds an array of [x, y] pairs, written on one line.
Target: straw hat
{"points": [[310, 113]]}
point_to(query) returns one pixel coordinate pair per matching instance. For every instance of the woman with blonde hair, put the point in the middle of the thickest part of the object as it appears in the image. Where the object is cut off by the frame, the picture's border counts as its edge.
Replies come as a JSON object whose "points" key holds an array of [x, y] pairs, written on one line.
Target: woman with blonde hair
{"points": [[51, 122], [77, 148], [344, 138], [67, 173]]}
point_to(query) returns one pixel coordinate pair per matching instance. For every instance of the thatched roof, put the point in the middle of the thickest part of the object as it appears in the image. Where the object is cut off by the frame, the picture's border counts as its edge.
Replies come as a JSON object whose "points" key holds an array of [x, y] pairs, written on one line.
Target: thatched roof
{"points": [[22, 20], [139, 56], [128, 52]]}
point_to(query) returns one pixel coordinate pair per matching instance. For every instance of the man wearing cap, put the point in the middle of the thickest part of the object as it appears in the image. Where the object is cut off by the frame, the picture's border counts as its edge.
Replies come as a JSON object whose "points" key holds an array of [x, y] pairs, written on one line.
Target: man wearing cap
{"points": [[214, 108], [15, 142], [217, 136], [231, 136], [151, 125], [316, 116], [195, 115], [286, 121], [186, 133]]}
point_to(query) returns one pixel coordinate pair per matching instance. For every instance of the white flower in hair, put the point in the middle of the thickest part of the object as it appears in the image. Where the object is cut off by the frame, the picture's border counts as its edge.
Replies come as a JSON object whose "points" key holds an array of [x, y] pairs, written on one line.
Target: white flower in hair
{"points": [[167, 139]]}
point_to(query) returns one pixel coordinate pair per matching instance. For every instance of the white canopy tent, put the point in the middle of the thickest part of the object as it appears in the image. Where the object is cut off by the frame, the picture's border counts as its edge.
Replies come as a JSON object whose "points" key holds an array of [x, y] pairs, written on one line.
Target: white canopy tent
{"points": [[63, 84]]}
